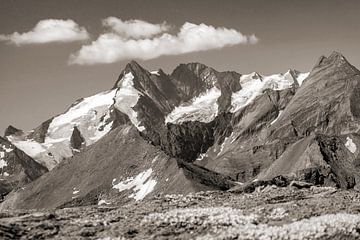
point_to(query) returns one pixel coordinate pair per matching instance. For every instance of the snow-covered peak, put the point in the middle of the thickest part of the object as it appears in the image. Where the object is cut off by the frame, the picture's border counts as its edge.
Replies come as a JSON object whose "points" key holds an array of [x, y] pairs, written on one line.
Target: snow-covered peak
{"points": [[89, 115]]}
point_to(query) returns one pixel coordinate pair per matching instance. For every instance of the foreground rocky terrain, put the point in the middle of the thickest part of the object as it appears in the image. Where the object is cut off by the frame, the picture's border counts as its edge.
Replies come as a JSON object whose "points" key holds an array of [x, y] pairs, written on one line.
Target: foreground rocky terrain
{"points": [[268, 213]]}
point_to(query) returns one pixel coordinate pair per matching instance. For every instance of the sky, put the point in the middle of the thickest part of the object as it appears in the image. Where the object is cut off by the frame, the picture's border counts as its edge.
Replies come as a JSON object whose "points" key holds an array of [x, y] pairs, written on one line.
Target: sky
{"points": [[53, 52]]}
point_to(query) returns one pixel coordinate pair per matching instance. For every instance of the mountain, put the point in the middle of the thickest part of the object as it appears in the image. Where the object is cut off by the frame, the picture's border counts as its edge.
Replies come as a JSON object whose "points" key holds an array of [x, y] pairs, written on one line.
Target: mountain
{"points": [[17, 168], [310, 132], [196, 129]]}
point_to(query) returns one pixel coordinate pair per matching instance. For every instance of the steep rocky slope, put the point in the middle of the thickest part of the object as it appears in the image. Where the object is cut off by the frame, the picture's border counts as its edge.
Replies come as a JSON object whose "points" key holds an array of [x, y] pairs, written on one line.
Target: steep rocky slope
{"points": [[309, 131], [268, 213]]}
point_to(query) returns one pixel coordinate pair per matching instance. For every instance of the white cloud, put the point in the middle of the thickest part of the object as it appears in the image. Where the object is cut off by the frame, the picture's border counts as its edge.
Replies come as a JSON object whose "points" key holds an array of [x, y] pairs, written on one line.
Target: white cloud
{"points": [[112, 47], [49, 30], [134, 28]]}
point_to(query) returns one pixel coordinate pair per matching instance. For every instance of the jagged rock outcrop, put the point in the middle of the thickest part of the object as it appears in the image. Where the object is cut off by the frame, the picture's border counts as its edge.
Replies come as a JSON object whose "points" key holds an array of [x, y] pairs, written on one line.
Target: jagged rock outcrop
{"points": [[11, 130], [40, 132], [77, 141]]}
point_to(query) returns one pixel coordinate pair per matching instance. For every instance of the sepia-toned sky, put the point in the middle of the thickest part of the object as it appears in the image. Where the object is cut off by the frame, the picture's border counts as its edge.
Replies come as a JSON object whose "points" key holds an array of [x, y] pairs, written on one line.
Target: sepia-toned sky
{"points": [[37, 81]]}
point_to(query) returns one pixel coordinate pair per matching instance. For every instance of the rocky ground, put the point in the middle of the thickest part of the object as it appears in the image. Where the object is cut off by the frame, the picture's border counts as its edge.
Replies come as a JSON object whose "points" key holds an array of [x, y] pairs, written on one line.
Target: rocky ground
{"points": [[268, 213]]}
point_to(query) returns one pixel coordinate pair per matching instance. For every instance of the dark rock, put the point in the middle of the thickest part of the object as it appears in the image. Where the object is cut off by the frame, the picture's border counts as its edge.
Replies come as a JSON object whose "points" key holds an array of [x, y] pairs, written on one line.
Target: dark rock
{"points": [[11, 130], [300, 184], [77, 141]]}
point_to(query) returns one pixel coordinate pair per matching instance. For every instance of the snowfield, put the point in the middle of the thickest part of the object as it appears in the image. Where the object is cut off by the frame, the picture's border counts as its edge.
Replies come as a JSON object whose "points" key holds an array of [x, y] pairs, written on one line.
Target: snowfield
{"points": [[142, 185], [203, 108], [254, 84]]}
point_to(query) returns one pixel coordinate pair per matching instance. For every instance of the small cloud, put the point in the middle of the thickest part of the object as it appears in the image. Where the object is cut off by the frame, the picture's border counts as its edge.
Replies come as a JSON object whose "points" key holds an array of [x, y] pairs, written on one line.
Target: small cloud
{"points": [[49, 30], [135, 29], [115, 46]]}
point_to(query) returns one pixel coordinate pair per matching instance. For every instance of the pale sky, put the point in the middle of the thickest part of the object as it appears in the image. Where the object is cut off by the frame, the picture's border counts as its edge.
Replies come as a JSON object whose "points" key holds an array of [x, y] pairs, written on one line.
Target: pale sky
{"points": [[37, 81]]}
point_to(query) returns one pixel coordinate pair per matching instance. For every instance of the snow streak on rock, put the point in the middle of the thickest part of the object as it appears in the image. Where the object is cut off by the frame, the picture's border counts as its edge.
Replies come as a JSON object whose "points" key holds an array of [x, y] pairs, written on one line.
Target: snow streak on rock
{"points": [[350, 145], [142, 185], [276, 117], [126, 98]]}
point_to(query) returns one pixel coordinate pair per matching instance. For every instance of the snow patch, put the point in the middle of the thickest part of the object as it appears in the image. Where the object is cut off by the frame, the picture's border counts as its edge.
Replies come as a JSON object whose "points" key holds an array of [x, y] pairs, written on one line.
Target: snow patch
{"points": [[3, 163], [127, 97], [7, 149], [75, 191], [301, 77], [155, 159], [30, 147], [155, 72], [254, 84], [201, 157], [142, 185], [6, 174], [103, 202], [350, 145], [203, 108]]}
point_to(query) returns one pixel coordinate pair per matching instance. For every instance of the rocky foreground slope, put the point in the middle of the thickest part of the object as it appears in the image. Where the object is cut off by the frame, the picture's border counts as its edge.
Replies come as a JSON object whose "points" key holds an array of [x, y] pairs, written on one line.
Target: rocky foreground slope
{"points": [[268, 213]]}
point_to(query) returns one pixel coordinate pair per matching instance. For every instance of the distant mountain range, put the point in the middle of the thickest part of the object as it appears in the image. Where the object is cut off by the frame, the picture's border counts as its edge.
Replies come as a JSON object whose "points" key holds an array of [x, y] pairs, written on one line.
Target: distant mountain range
{"points": [[192, 130]]}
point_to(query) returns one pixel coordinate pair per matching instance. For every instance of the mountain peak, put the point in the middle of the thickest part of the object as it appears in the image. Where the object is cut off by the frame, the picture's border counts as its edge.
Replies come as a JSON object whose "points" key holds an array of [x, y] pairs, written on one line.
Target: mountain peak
{"points": [[10, 130], [133, 66], [334, 58]]}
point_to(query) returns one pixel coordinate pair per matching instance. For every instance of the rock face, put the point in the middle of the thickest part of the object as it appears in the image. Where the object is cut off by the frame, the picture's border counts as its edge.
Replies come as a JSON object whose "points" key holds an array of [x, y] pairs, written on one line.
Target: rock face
{"points": [[77, 141], [16, 168], [197, 129]]}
